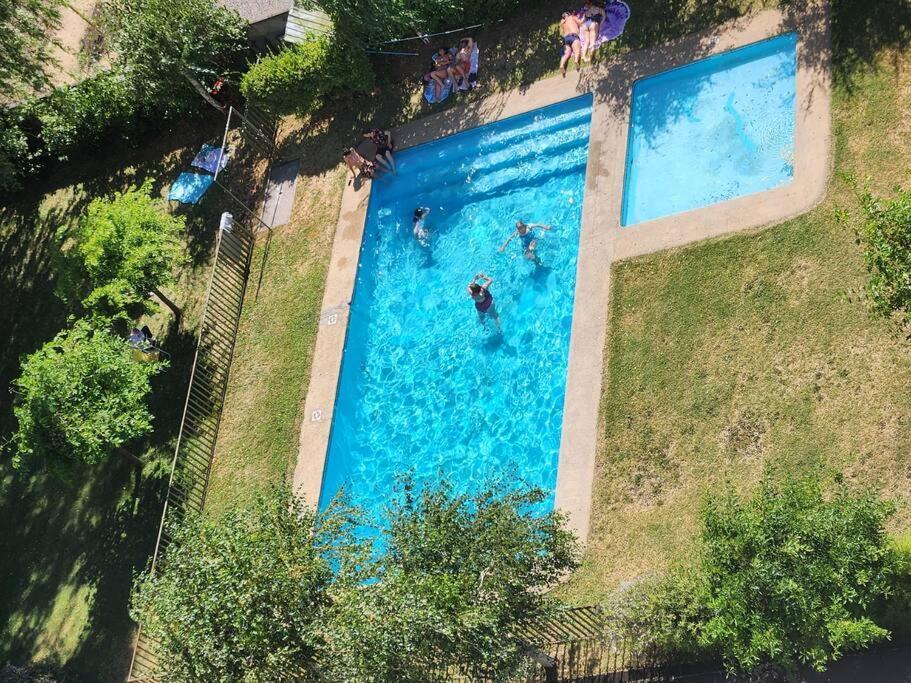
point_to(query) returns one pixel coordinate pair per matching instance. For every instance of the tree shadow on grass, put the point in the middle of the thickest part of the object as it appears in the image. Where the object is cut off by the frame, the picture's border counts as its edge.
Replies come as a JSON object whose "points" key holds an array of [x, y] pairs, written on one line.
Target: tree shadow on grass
{"points": [[70, 544]]}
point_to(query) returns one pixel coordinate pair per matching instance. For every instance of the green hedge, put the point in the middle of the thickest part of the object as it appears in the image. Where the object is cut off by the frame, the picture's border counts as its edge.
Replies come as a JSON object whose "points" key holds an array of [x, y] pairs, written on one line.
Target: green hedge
{"points": [[72, 116], [301, 78]]}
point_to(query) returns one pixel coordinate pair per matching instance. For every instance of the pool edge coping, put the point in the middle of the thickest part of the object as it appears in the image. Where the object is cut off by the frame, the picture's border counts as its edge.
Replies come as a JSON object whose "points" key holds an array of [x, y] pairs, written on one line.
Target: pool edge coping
{"points": [[602, 241]]}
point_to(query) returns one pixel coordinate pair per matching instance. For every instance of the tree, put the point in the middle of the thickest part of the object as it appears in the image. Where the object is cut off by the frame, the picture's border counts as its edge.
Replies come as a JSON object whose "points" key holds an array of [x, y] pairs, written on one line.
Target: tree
{"points": [[25, 57], [121, 250], [458, 578], [169, 46], [402, 19], [246, 597], [81, 397], [886, 237], [791, 575]]}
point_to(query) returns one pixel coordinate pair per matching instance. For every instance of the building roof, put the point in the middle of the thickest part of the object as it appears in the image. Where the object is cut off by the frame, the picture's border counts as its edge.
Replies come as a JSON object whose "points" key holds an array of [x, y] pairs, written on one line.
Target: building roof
{"points": [[254, 11]]}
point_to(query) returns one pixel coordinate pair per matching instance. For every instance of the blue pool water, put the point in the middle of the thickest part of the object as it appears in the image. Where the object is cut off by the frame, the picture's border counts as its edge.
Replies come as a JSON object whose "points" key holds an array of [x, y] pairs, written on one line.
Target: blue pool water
{"points": [[424, 388], [711, 131]]}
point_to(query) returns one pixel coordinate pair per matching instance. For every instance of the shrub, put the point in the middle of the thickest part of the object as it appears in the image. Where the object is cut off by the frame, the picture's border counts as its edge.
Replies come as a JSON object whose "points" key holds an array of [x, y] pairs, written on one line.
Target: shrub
{"points": [[75, 116], [300, 78], [400, 19], [662, 614], [792, 576], [886, 238], [15, 160]]}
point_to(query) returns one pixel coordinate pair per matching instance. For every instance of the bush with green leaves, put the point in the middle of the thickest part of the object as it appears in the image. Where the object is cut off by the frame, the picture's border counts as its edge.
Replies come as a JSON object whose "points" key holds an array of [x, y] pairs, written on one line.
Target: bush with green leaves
{"points": [[78, 115], [16, 161], [792, 575], [301, 78], [278, 593], [374, 21], [81, 397], [246, 597], [122, 249], [886, 239], [458, 579], [173, 50], [662, 614]]}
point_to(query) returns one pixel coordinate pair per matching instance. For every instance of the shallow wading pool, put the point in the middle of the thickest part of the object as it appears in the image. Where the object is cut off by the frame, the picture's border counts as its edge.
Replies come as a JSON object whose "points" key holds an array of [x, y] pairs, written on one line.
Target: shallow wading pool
{"points": [[712, 130], [424, 388]]}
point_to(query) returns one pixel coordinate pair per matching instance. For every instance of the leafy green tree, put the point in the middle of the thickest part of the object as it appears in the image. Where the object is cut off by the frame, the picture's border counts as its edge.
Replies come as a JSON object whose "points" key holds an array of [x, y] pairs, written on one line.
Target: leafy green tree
{"points": [[81, 397], [246, 597], [886, 238], [168, 47], [15, 159], [25, 57], [122, 249], [457, 579], [301, 77], [402, 18], [791, 574]]}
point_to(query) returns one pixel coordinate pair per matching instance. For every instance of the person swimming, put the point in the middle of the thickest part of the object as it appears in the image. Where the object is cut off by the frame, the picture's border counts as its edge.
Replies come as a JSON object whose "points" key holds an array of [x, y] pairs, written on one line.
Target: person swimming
{"points": [[526, 235], [479, 291], [417, 225]]}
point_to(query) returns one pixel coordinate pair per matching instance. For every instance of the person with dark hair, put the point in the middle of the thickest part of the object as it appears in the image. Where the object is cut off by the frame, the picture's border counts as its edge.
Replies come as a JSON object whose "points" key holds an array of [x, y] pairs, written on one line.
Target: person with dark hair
{"points": [[462, 66], [479, 291], [417, 226], [358, 164], [384, 147], [570, 28], [442, 60]]}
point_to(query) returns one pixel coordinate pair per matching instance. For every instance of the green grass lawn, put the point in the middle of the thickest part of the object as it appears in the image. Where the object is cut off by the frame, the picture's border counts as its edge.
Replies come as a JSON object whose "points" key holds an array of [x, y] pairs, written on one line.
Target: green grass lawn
{"points": [[69, 546], [751, 352]]}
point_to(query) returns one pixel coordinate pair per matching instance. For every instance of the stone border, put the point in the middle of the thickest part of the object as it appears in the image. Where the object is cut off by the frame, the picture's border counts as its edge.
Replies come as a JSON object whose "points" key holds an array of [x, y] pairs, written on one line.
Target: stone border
{"points": [[602, 241]]}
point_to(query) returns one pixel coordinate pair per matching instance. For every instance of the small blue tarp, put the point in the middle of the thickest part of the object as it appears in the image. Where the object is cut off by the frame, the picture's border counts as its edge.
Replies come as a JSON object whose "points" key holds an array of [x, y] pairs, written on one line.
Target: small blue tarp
{"points": [[190, 187]]}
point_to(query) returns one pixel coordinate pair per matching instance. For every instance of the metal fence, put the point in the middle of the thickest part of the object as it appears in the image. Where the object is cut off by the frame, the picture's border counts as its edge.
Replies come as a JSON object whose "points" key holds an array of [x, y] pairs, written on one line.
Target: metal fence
{"points": [[192, 462]]}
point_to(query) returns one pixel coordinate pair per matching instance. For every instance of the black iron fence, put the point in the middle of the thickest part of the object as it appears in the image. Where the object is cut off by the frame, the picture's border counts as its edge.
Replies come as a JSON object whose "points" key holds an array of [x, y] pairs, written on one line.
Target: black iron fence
{"points": [[192, 462]]}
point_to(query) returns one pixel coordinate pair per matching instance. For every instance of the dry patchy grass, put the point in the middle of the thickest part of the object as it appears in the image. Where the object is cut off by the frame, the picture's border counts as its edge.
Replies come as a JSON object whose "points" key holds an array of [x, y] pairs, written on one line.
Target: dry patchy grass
{"points": [[754, 352]]}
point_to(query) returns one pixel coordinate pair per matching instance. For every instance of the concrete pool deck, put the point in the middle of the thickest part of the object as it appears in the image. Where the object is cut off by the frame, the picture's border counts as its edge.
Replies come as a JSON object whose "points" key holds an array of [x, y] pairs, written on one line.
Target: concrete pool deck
{"points": [[602, 241]]}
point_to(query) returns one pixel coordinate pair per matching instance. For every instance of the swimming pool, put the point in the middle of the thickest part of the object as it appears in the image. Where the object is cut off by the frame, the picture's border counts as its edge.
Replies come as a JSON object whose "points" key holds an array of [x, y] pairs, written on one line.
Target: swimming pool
{"points": [[424, 388], [713, 130]]}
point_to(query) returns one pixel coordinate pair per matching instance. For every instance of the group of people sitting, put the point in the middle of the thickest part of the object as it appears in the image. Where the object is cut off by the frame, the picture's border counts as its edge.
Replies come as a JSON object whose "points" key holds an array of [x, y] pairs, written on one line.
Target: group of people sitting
{"points": [[453, 65], [580, 33], [382, 158]]}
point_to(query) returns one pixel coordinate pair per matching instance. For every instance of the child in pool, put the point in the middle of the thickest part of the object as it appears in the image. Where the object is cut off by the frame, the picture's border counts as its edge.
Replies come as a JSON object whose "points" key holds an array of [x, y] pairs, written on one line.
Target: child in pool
{"points": [[417, 225], [526, 235]]}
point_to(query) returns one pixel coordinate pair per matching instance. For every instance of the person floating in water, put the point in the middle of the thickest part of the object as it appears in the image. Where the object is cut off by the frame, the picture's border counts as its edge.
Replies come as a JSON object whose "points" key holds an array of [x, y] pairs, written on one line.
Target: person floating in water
{"points": [[525, 233], [418, 227], [479, 290]]}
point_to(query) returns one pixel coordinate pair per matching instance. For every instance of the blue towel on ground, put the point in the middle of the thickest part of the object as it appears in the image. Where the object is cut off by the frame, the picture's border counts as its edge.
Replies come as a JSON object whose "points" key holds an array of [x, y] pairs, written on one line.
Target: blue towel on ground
{"points": [[189, 187]]}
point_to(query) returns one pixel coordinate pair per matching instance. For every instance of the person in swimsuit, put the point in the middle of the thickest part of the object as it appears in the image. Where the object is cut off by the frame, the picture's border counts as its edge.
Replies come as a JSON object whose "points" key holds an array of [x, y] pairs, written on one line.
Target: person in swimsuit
{"points": [[356, 163], [384, 147], [593, 16], [417, 226], [442, 60], [479, 291], [462, 67], [526, 235], [570, 28]]}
